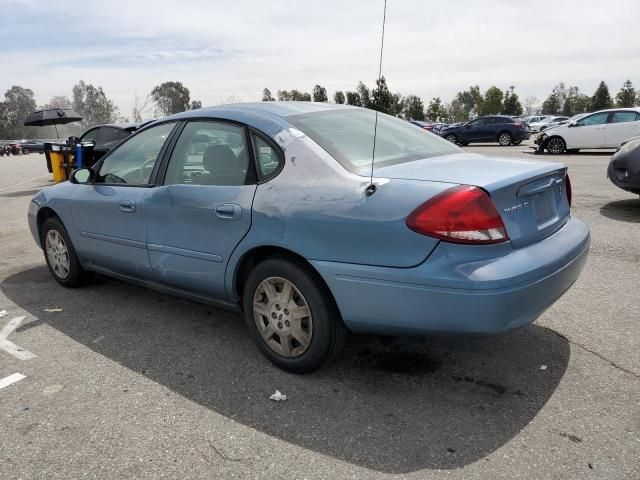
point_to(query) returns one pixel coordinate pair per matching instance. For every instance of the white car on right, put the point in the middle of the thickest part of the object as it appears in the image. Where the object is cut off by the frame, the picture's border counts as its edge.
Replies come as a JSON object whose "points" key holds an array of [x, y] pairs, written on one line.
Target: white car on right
{"points": [[603, 129]]}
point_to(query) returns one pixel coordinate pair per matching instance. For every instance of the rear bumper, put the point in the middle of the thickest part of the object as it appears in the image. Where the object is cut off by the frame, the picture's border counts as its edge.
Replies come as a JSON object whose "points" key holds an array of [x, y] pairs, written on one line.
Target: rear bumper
{"points": [[461, 289], [523, 135]]}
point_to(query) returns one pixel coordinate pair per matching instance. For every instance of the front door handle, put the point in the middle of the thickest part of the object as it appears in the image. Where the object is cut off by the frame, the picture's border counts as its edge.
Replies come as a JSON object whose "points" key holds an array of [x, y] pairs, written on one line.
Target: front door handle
{"points": [[128, 206], [228, 211]]}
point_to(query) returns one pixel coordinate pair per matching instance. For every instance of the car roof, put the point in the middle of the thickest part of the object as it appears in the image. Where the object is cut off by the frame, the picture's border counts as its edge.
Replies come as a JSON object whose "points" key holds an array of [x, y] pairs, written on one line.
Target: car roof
{"points": [[280, 109]]}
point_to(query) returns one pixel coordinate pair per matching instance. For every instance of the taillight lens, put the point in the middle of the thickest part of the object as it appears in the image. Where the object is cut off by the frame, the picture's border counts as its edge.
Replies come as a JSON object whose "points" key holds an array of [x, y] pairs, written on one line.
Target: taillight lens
{"points": [[567, 187], [462, 214]]}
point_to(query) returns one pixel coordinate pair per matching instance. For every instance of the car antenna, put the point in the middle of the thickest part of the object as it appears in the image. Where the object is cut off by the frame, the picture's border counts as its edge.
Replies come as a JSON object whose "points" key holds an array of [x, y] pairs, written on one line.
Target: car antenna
{"points": [[371, 189]]}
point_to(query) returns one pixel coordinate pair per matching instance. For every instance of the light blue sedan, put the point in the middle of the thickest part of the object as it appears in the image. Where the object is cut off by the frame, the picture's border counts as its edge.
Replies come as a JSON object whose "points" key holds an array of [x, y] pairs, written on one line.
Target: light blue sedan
{"points": [[268, 208]]}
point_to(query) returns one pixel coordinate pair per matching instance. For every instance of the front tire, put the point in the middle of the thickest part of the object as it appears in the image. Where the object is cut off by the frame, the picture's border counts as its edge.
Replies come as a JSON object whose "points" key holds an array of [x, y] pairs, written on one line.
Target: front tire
{"points": [[292, 316], [556, 145], [60, 255], [505, 139], [452, 138], [25, 151]]}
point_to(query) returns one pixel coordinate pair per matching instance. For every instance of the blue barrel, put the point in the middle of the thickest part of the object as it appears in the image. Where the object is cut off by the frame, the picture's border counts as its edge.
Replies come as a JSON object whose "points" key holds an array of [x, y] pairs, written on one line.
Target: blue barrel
{"points": [[79, 162]]}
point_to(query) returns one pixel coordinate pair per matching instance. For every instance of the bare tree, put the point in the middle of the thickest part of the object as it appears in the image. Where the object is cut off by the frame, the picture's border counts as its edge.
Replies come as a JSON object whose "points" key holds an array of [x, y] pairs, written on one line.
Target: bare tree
{"points": [[141, 107], [530, 106]]}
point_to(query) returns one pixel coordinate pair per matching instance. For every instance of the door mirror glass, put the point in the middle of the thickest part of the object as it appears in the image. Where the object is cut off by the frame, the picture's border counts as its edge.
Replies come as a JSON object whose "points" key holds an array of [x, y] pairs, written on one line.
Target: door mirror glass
{"points": [[82, 175]]}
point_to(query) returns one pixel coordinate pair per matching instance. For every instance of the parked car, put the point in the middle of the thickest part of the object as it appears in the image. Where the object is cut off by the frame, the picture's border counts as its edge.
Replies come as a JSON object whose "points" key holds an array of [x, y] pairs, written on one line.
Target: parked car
{"points": [[603, 129], [553, 122], [101, 139], [536, 123], [494, 128], [278, 218], [624, 168], [430, 127], [29, 146]]}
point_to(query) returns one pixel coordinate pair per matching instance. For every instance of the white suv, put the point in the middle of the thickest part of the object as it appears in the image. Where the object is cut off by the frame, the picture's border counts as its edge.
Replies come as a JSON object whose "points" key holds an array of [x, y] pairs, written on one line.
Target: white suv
{"points": [[603, 129]]}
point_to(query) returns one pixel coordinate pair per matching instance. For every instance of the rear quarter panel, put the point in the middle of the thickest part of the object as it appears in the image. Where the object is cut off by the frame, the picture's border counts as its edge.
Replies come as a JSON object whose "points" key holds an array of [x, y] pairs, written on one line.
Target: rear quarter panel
{"points": [[319, 210]]}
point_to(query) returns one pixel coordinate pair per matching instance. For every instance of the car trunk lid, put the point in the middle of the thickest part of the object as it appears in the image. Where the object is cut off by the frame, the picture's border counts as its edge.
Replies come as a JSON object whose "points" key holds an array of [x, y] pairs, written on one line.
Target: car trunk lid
{"points": [[529, 195]]}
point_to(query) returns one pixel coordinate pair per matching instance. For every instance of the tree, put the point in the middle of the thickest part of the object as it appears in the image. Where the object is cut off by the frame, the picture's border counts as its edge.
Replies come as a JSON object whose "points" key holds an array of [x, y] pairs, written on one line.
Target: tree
{"points": [[293, 96], [171, 97], [195, 104], [141, 107], [555, 101], [601, 98], [492, 102], [18, 104], [436, 110], [382, 99], [266, 95], [60, 101], [530, 106], [320, 94], [511, 104], [93, 105], [413, 108], [353, 98], [626, 97], [364, 95], [338, 97], [575, 102], [466, 104]]}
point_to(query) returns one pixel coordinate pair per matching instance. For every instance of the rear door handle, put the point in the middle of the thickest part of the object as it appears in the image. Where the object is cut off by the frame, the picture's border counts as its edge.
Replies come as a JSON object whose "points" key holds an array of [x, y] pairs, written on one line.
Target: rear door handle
{"points": [[228, 211], [128, 206]]}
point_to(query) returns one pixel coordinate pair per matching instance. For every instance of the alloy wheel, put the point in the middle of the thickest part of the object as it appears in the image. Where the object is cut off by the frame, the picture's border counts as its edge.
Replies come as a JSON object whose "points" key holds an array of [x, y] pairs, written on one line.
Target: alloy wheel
{"points": [[451, 138], [283, 317], [504, 139], [555, 145], [58, 254]]}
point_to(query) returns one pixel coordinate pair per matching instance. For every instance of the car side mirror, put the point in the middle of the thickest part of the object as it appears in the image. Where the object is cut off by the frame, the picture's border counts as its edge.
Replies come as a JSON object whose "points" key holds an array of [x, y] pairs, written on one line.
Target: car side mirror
{"points": [[571, 125], [466, 125], [82, 175]]}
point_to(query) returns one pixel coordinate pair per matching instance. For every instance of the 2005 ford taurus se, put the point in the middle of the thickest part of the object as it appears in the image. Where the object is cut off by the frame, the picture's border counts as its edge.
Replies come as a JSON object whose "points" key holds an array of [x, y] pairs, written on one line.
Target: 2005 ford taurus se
{"points": [[268, 208]]}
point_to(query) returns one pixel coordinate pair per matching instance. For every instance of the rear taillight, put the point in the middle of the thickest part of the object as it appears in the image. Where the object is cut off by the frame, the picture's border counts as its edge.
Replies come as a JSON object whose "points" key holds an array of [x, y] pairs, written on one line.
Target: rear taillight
{"points": [[567, 187], [462, 214]]}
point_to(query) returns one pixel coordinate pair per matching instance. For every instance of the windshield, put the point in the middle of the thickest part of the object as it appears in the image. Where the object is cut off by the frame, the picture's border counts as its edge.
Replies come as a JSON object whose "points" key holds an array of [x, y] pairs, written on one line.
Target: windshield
{"points": [[347, 135]]}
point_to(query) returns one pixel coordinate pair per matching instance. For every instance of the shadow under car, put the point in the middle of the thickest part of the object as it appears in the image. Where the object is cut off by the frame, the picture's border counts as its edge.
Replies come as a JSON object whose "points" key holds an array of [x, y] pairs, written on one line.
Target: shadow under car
{"points": [[394, 405]]}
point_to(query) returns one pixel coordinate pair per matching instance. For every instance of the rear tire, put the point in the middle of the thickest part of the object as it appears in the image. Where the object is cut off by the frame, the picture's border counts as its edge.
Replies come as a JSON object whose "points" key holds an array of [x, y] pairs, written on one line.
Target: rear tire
{"points": [[60, 255], [25, 151], [556, 145], [452, 138], [292, 316], [505, 139]]}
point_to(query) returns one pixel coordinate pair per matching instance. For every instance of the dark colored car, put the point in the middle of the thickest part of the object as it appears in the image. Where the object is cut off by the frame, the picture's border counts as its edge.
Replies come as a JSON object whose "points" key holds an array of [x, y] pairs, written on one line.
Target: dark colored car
{"points": [[105, 137], [624, 168], [29, 146], [101, 139], [495, 128]]}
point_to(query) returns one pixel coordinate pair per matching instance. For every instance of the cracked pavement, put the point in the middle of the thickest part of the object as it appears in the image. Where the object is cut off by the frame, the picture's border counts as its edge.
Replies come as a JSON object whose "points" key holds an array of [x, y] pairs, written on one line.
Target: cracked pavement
{"points": [[129, 383]]}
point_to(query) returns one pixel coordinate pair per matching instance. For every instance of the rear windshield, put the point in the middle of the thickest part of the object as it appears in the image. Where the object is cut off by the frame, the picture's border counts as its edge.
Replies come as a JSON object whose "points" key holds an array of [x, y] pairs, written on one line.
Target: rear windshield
{"points": [[347, 135]]}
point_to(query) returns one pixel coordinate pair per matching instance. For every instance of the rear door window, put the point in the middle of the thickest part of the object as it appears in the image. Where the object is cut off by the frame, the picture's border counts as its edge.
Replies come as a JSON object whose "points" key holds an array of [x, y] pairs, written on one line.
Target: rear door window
{"points": [[622, 117], [209, 153]]}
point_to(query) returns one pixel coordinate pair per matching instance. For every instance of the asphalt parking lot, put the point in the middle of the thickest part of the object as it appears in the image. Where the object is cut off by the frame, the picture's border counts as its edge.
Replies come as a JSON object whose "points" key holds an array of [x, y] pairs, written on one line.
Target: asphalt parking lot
{"points": [[127, 383]]}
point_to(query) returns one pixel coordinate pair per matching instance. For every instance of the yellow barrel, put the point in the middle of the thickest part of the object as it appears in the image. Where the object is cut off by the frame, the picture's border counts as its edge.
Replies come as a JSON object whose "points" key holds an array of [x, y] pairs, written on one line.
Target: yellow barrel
{"points": [[57, 166]]}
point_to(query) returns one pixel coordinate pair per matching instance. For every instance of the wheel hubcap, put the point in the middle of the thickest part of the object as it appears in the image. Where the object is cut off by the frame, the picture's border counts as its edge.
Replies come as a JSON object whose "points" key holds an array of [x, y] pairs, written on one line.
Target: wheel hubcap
{"points": [[283, 317], [555, 146], [451, 138], [505, 139], [57, 254]]}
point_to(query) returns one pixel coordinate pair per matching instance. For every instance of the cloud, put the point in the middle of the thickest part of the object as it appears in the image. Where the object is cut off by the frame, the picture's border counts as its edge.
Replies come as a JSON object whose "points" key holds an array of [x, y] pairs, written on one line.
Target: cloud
{"points": [[221, 49]]}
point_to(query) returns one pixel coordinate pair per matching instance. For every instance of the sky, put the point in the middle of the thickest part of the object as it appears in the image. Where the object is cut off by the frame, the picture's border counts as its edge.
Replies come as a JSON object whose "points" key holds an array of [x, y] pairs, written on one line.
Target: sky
{"points": [[226, 51]]}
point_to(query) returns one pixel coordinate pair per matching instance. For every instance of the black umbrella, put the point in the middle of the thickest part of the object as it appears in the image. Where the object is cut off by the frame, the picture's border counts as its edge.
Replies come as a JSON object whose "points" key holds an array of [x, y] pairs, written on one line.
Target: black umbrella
{"points": [[53, 116]]}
